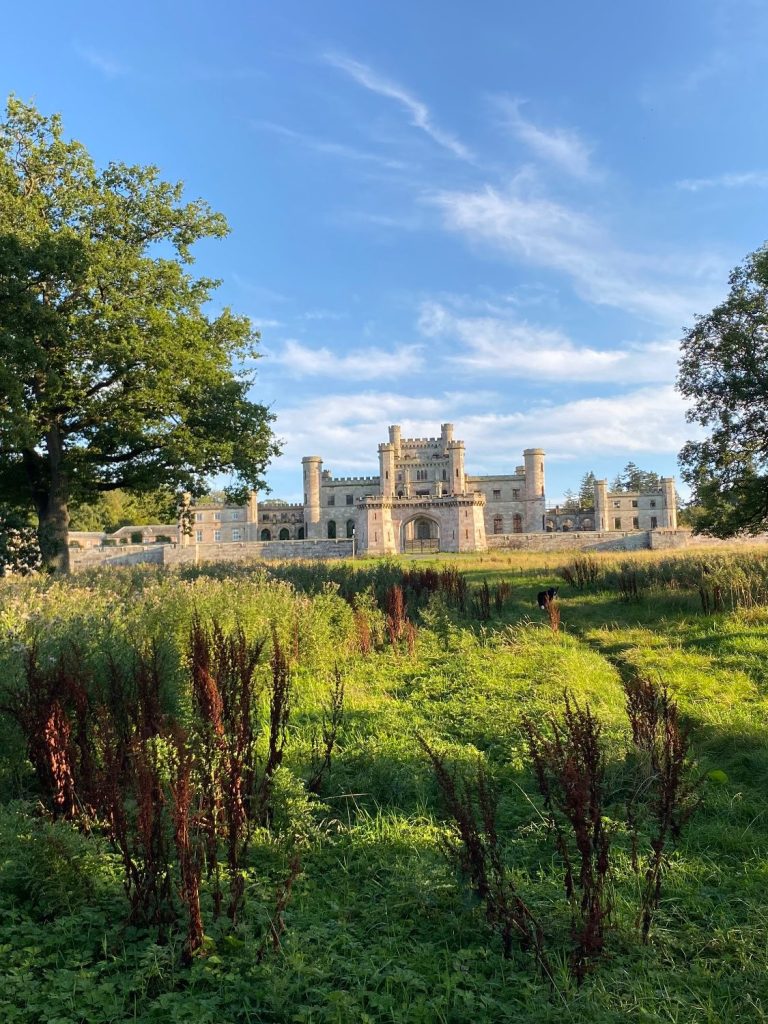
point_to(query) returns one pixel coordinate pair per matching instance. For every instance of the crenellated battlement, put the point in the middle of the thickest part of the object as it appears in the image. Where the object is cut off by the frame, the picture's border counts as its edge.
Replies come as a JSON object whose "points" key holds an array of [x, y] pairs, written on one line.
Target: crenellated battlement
{"points": [[338, 480]]}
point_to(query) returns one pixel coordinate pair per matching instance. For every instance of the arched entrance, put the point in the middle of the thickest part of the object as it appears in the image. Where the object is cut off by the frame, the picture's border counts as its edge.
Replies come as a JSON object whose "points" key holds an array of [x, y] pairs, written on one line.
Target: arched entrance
{"points": [[420, 533]]}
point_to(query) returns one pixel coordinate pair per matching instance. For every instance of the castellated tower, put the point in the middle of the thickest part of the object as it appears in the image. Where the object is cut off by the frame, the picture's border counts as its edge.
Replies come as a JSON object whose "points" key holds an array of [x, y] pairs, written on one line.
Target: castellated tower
{"points": [[670, 502], [387, 467], [601, 504], [534, 489], [456, 475], [394, 439], [312, 466]]}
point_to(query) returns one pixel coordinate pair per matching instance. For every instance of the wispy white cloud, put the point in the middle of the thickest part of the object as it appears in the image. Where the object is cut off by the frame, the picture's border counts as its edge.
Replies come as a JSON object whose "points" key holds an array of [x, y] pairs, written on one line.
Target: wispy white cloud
{"points": [[515, 348], [418, 112], [103, 62], [747, 179], [559, 146], [330, 148], [357, 364], [345, 429], [540, 231]]}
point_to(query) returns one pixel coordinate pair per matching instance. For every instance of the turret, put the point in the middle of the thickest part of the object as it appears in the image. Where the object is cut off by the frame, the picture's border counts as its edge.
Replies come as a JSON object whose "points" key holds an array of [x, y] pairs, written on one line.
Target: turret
{"points": [[312, 466], [456, 479], [601, 504], [394, 439], [670, 501], [387, 468], [446, 434], [534, 473], [252, 516]]}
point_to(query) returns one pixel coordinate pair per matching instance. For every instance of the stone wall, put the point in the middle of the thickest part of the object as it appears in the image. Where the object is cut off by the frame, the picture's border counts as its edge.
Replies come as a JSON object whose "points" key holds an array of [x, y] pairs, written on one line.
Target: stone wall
{"points": [[591, 540], [268, 549], [172, 554]]}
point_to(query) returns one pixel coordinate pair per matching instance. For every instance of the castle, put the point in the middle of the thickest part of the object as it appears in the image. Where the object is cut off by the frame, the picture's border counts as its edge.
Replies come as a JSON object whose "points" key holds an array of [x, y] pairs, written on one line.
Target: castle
{"points": [[423, 499]]}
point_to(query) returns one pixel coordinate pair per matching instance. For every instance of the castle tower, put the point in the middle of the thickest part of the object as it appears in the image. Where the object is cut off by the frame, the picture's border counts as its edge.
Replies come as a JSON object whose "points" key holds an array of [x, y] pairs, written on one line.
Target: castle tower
{"points": [[312, 466], [387, 468], [536, 507], [601, 504], [457, 483], [670, 501], [252, 516], [446, 434], [394, 439]]}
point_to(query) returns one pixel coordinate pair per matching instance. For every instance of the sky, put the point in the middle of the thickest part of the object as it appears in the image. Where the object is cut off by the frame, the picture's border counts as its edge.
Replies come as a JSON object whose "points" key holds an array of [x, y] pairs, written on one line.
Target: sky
{"points": [[496, 214]]}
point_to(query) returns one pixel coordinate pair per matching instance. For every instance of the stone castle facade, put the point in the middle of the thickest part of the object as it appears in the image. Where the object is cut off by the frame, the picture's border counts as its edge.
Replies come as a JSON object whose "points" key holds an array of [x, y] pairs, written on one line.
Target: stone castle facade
{"points": [[424, 499]]}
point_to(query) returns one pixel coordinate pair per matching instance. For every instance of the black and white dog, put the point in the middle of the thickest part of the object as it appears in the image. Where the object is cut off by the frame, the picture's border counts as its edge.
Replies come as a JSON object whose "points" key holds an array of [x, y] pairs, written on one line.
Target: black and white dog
{"points": [[545, 596]]}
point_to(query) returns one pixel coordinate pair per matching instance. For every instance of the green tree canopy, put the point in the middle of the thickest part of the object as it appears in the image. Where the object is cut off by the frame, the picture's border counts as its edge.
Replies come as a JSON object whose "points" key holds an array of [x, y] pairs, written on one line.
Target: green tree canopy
{"points": [[587, 490], [632, 478], [114, 372], [723, 373]]}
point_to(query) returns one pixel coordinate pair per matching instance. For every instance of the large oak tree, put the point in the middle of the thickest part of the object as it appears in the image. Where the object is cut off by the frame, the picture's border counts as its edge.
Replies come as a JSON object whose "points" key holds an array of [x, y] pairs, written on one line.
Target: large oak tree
{"points": [[724, 374], [114, 371]]}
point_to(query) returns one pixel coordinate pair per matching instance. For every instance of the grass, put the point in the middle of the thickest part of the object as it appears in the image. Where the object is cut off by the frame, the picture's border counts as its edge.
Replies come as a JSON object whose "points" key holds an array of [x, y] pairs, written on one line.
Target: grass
{"points": [[379, 927]]}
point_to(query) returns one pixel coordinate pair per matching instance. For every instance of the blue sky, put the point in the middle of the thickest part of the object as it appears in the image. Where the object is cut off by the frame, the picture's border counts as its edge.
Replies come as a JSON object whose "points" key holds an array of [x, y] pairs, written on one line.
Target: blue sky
{"points": [[499, 215]]}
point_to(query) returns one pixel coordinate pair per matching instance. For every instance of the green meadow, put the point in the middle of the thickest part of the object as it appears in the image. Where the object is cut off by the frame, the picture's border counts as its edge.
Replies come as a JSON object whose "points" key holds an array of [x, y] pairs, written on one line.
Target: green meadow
{"points": [[351, 906]]}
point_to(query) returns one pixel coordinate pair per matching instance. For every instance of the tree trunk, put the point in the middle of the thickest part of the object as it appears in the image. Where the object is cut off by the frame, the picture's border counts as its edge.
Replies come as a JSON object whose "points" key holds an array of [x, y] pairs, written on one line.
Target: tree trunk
{"points": [[49, 488], [53, 535]]}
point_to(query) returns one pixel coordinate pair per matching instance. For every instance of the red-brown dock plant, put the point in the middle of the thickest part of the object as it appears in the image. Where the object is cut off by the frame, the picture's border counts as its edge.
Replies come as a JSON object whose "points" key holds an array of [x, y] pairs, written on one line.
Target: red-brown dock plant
{"points": [[476, 851], [53, 713], [665, 791], [333, 715], [188, 847], [279, 689], [569, 767]]}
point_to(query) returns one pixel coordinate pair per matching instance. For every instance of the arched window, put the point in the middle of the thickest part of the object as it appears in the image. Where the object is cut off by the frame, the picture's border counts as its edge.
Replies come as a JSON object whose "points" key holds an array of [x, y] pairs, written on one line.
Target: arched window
{"points": [[284, 534], [300, 534], [266, 535], [350, 527], [498, 524], [517, 523], [550, 525], [332, 530]]}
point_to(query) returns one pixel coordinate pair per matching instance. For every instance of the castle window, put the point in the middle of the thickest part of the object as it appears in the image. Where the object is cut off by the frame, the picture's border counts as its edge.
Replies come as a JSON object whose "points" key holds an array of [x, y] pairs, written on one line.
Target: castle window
{"points": [[445, 474], [236, 514], [199, 517], [265, 535], [217, 535], [515, 492], [517, 523], [497, 495], [635, 523], [217, 515], [300, 534], [652, 503], [332, 530], [421, 474], [350, 499], [654, 522], [199, 536], [634, 503], [617, 504], [284, 534], [331, 499], [236, 535], [498, 524], [617, 523], [350, 528], [305, 498]]}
